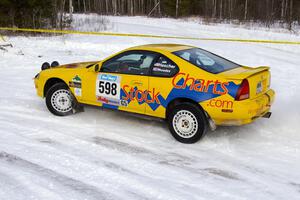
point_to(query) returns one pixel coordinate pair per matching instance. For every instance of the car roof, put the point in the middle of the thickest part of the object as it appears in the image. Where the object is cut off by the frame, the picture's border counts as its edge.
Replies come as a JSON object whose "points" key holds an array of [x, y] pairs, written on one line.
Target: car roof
{"points": [[162, 47]]}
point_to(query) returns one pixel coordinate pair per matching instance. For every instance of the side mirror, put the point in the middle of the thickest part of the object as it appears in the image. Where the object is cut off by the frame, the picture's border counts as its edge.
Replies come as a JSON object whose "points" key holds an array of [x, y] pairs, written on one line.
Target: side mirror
{"points": [[95, 68]]}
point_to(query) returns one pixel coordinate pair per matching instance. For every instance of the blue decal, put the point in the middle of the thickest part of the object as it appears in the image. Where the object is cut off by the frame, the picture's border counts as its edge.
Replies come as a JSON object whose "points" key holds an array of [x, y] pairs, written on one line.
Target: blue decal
{"points": [[107, 77], [104, 105], [197, 96]]}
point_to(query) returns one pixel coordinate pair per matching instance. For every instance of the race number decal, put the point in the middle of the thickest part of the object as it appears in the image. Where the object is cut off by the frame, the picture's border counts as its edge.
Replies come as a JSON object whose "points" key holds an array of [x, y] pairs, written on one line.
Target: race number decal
{"points": [[108, 89]]}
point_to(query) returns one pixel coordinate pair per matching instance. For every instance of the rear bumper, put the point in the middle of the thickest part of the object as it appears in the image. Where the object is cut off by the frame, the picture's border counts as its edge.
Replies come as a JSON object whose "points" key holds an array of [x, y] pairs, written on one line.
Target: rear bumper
{"points": [[246, 111]]}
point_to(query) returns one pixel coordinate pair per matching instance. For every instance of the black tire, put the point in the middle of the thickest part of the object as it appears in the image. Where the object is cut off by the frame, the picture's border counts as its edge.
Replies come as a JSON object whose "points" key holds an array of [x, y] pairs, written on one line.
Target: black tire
{"points": [[59, 100], [187, 122]]}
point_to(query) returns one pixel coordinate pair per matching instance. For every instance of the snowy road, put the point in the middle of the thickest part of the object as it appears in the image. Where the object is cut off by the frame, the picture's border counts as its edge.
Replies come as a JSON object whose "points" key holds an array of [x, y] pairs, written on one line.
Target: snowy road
{"points": [[102, 154]]}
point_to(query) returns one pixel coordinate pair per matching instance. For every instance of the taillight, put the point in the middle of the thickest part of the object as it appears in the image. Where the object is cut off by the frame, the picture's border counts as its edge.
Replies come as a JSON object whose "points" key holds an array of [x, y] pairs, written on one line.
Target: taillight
{"points": [[243, 91]]}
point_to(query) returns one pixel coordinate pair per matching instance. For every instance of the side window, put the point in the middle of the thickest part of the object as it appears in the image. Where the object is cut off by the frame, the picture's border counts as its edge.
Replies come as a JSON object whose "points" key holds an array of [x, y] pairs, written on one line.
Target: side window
{"points": [[164, 67], [132, 62]]}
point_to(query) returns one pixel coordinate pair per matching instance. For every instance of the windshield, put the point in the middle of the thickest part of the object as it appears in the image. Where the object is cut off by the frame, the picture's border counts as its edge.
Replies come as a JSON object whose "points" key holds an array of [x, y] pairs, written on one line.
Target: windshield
{"points": [[206, 60]]}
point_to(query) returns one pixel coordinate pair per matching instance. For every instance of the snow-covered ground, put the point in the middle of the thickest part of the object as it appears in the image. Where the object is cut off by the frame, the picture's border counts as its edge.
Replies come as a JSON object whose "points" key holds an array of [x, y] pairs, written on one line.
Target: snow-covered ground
{"points": [[102, 154]]}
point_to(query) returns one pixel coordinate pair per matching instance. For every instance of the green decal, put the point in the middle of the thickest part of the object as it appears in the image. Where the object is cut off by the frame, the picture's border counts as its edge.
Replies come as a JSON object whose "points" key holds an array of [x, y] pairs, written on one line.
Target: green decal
{"points": [[76, 79]]}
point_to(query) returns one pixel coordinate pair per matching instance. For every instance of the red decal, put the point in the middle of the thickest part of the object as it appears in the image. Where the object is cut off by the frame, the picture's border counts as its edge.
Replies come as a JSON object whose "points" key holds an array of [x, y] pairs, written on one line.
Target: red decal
{"points": [[126, 94], [199, 85], [225, 90], [215, 87], [155, 96], [102, 99], [175, 79], [140, 95], [220, 103]]}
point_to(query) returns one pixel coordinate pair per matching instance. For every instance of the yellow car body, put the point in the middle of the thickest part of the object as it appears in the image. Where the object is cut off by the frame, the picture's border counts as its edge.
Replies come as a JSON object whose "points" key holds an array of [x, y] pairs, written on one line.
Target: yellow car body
{"points": [[152, 95]]}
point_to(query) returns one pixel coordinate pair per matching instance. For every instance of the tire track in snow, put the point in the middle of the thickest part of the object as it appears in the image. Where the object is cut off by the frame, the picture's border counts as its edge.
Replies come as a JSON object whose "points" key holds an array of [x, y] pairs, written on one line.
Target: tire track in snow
{"points": [[179, 162], [168, 161], [169, 158], [9, 185], [62, 149], [91, 192]]}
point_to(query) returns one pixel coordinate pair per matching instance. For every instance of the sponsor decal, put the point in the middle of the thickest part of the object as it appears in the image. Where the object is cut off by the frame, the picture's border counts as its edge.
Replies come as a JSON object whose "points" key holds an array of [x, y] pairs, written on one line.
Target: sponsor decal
{"points": [[199, 85], [134, 94], [77, 92], [184, 87], [108, 77], [108, 89], [108, 101], [110, 92], [102, 99], [259, 88], [124, 103], [220, 104], [76, 84]]}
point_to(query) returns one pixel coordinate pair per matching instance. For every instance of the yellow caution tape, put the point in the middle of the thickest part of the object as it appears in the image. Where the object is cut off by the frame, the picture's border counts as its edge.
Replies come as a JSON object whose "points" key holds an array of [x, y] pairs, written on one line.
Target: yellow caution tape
{"points": [[1, 38], [148, 36]]}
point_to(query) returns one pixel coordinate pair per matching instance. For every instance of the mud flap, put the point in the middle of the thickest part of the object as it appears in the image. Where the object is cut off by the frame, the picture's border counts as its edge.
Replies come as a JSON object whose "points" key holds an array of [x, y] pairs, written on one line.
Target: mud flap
{"points": [[76, 107]]}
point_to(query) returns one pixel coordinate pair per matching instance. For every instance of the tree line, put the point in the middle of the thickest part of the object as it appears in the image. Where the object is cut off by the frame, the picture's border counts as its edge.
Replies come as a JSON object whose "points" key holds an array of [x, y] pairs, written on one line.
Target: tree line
{"points": [[33, 13], [50, 13], [257, 10]]}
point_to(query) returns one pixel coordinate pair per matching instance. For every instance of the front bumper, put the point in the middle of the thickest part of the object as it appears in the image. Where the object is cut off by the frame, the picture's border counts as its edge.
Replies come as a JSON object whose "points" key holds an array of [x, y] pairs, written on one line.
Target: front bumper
{"points": [[37, 86]]}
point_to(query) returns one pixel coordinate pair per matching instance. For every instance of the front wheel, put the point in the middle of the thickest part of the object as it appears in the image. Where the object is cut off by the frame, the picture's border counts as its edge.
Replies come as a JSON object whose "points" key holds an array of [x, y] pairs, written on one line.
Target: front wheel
{"points": [[187, 123], [59, 100]]}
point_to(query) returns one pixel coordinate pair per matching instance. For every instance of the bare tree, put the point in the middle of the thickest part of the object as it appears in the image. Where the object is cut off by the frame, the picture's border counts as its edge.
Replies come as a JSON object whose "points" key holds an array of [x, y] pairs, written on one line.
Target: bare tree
{"points": [[176, 9], [246, 10], [71, 8]]}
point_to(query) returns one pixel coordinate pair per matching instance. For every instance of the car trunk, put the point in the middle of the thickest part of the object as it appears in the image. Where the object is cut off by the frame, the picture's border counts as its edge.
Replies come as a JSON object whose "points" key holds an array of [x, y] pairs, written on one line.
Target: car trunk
{"points": [[258, 78]]}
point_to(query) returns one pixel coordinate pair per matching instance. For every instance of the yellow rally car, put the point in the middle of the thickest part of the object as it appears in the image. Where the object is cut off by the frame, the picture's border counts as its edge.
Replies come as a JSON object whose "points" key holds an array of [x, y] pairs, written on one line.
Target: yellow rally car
{"points": [[189, 87]]}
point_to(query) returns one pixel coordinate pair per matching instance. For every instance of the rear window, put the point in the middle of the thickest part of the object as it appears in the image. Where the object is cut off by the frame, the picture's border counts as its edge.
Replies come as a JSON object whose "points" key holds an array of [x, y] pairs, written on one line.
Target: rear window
{"points": [[206, 60]]}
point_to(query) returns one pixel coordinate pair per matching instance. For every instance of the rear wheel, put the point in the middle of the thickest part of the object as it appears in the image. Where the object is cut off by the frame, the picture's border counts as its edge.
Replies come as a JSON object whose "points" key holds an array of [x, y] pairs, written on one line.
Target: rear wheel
{"points": [[59, 100], [187, 122]]}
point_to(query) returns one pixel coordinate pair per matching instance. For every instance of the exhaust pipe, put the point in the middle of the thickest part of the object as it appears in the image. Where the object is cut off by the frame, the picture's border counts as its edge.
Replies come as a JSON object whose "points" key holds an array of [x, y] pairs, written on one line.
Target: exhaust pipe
{"points": [[267, 115]]}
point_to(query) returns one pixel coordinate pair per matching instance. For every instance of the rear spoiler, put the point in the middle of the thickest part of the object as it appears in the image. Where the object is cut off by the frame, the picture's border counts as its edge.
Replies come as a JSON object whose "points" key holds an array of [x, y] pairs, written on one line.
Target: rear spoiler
{"points": [[243, 72]]}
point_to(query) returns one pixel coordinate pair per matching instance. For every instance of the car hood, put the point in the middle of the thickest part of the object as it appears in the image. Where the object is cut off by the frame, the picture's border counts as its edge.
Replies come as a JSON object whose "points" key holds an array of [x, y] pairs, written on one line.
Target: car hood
{"points": [[77, 65]]}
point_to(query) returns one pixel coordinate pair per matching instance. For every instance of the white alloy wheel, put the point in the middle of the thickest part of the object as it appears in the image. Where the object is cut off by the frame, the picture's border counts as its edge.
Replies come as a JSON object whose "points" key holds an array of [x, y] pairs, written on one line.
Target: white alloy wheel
{"points": [[61, 101], [185, 124]]}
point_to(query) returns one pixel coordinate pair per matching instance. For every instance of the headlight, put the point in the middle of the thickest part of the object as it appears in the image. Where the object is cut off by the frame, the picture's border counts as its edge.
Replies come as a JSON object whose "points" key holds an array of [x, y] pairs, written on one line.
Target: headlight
{"points": [[37, 76], [45, 65]]}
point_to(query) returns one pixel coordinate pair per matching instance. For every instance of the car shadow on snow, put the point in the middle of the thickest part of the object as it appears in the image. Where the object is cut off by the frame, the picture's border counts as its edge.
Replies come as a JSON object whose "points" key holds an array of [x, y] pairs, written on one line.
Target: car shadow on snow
{"points": [[159, 126], [245, 131]]}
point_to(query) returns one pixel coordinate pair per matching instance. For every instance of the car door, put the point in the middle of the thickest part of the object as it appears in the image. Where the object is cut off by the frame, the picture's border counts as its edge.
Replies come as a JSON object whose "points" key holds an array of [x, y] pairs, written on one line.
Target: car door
{"points": [[161, 83], [122, 82]]}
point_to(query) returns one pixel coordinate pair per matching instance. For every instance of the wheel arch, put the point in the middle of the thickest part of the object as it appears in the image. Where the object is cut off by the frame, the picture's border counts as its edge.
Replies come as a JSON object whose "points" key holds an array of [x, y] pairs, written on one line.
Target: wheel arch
{"points": [[180, 100], [50, 82]]}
